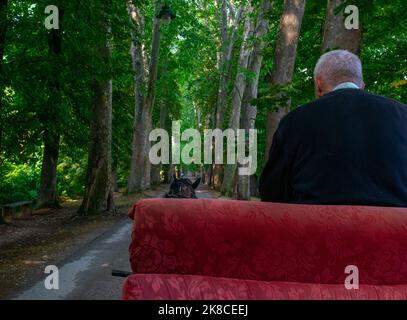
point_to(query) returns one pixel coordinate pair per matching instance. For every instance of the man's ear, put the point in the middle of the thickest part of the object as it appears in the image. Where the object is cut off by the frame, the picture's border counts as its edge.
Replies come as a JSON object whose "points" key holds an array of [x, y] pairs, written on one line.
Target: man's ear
{"points": [[196, 183], [319, 87]]}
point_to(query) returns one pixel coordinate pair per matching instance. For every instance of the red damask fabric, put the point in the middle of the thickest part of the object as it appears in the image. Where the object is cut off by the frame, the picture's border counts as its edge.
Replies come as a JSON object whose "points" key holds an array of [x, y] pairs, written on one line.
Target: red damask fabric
{"points": [[269, 242], [176, 287]]}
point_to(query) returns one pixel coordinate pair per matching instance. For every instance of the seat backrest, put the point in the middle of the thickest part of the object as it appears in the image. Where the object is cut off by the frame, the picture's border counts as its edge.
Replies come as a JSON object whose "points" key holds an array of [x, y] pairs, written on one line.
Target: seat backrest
{"points": [[269, 242]]}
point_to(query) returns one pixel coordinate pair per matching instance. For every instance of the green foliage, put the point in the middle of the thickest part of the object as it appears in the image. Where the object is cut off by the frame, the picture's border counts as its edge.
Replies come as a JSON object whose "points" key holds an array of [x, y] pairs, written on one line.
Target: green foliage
{"points": [[71, 177], [19, 182], [187, 83]]}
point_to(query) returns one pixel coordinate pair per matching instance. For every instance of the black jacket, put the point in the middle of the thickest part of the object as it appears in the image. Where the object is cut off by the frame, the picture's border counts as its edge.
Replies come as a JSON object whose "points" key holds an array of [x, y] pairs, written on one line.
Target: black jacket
{"points": [[348, 147]]}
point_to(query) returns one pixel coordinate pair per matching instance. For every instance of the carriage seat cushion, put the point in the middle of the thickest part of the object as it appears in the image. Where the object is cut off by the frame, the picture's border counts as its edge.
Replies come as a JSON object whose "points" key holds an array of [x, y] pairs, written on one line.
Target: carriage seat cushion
{"points": [[184, 287], [269, 242]]}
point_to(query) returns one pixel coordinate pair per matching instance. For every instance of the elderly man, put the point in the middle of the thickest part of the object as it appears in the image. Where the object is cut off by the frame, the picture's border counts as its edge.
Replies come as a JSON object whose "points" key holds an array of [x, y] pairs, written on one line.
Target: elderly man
{"points": [[347, 147]]}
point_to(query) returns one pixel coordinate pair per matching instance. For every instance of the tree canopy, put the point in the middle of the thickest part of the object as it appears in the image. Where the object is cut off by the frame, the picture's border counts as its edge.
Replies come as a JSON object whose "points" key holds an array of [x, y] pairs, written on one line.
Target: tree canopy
{"points": [[46, 92]]}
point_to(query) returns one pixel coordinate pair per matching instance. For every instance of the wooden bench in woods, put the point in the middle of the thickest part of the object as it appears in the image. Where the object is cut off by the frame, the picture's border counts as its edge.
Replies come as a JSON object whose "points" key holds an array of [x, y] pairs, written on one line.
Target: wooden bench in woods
{"points": [[16, 210]]}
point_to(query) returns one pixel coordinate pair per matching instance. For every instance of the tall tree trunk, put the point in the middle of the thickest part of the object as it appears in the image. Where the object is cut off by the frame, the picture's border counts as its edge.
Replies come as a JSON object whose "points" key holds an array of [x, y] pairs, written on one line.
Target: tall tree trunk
{"points": [[138, 55], [284, 60], [156, 169], [224, 64], [155, 175], [210, 168], [140, 169], [228, 38], [115, 183], [98, 196], [249, 111], [151, 90], [170, 173], [237, 97], [140, 166], [335, 35], [228, 41], [48, 196], [254, 190]]}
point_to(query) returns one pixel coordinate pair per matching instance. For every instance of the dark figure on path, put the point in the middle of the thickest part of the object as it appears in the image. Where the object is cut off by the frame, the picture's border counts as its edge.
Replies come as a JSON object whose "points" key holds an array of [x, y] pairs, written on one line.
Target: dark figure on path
{"points": [[183, 188], [347, 147]]}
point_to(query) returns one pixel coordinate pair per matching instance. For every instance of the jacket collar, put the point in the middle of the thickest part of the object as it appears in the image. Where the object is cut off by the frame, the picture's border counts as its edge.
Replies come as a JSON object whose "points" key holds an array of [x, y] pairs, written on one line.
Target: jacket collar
{"points": [[346, 85]]}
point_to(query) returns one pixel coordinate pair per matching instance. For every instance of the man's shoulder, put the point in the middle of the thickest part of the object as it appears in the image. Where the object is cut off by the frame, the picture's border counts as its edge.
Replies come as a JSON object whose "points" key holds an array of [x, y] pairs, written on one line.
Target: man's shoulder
{"points": [[377, 98], [315, 107]]}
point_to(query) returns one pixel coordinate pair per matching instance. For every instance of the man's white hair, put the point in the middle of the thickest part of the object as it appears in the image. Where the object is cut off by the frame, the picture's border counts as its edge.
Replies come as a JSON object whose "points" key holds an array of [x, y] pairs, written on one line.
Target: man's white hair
{"points": [[339, 66]]}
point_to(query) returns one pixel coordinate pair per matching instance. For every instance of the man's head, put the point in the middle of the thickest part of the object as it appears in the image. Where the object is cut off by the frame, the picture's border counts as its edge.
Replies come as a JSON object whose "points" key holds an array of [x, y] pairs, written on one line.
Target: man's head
{"points": [[336, 67]]}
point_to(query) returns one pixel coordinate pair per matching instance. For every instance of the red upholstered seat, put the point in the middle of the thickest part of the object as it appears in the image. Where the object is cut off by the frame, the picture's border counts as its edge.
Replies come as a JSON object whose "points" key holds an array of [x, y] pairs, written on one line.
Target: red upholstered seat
{"points": [[289, 250], [180, 287]]}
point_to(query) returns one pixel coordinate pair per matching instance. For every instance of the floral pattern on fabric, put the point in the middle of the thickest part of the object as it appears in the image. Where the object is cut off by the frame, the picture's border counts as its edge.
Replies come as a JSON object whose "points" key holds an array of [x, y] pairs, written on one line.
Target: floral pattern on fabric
{"points": [[176, 287], [268, 241]]}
